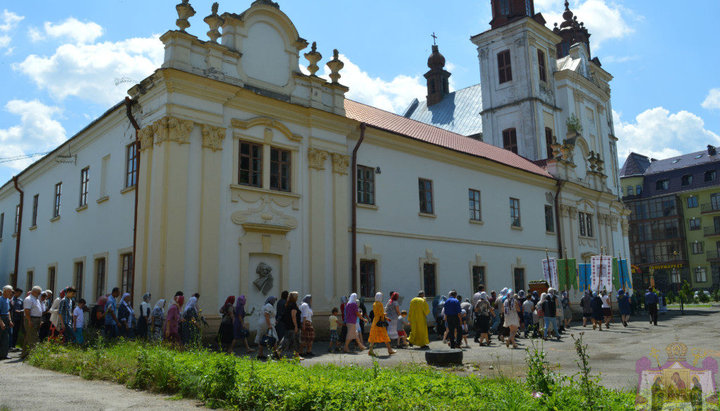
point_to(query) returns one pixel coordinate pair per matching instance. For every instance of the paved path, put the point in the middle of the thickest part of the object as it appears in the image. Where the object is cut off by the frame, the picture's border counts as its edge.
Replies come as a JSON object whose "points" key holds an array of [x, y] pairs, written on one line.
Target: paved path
{"points": [[23, 387], [612, 354]]}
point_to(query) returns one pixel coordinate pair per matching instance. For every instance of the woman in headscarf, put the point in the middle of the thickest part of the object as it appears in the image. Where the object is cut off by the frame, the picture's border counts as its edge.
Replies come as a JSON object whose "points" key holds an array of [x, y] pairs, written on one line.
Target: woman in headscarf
{"points": [[502, 331], [512, 320], [308, 331], [624, 306], [225, 333], [189, 327], [126, 317], [597, 310], [392, 310], [157, 317], [144, 319], [483, 312], [351, 317], [172, 323], [540, 314], [291, 318], [54, 317], [607, 308], [280, 311], [97, 315], [378, 333], [266, 334], [240, 332], [586, 303]]}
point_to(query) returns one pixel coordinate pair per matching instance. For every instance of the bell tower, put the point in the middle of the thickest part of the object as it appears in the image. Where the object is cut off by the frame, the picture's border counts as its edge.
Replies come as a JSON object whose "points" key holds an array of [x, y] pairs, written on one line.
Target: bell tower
{"points": [[437, 78], [506, 11]]}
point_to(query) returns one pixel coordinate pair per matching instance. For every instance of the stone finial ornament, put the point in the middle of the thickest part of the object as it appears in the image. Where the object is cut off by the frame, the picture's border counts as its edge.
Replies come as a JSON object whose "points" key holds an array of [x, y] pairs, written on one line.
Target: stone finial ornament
{"points": [[313, 57], [184, 11], [214, 21], [335, 66]]}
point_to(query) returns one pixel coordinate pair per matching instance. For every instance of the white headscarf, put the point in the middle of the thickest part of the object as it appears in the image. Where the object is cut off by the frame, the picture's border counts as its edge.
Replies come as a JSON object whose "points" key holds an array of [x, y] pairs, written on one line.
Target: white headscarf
{"points": [[353, 299], [192, 303], [123, 302], [542, 297], [378, 296], [158, 311], [483, 296]]}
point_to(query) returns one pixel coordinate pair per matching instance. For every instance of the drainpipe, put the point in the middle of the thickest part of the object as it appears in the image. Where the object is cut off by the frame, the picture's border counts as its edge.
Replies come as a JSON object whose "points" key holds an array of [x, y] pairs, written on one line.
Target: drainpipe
{"points": [[353, 240], [128, 111], [19, 229], [560, 184]]}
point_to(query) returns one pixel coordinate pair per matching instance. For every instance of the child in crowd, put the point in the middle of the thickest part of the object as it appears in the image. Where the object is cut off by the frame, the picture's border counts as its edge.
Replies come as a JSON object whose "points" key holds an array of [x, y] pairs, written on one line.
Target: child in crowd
{"points": [[79, 321], [402, 324], [334, 331], [465, 328]]}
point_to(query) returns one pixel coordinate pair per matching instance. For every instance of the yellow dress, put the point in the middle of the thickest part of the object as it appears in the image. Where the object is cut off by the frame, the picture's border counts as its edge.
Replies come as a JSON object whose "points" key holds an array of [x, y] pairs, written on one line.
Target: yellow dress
{"points": [[378, 334], [417, 316]]}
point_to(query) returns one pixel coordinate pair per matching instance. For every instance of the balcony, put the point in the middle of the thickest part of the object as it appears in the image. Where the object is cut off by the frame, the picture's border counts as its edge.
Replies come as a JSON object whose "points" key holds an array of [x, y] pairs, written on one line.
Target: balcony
{"points": [[712, 231], [713, 255], [709, 208]]}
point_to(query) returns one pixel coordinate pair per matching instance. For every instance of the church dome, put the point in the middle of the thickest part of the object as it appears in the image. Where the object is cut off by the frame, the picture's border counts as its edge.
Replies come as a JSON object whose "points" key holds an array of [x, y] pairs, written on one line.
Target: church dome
{"points": [[436, 60]]}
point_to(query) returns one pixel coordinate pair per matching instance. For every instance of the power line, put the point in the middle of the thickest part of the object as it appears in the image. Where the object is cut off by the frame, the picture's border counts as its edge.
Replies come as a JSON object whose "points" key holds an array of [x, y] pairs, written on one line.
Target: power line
{"points": [[22, 157]]}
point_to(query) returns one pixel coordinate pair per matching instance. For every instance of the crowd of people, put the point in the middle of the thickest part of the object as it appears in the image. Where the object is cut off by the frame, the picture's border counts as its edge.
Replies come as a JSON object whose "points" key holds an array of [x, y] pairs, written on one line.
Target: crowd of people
{"points": [[286, 324]]}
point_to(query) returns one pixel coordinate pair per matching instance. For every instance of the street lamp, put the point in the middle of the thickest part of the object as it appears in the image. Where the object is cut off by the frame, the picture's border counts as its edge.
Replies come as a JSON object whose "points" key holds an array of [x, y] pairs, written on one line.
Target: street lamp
{"points": [[678, 287]]}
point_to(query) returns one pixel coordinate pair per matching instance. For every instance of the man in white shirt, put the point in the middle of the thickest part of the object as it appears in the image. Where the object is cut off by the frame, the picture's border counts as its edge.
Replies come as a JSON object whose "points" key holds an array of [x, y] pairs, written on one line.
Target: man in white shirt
{"points": [[33, 316]]}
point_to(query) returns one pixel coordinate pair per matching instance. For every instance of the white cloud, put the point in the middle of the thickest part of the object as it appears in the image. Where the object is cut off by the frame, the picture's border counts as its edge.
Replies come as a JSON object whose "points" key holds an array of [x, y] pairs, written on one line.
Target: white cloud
{"points": [[91, 71], [605, 19], [9, 20], [71, 29], [5, 41], [38, 131], [660, 134], [712, 101]]}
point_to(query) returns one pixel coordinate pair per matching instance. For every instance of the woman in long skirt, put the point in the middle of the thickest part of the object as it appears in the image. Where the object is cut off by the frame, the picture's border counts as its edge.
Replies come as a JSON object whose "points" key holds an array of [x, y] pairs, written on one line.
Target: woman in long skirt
{"points": [[378, 334], [157, 317], [392, 309]]}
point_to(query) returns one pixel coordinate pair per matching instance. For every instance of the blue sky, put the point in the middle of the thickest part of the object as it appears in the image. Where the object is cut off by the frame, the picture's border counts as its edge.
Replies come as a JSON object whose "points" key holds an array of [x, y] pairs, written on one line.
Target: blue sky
{"points": [[63, 64]]}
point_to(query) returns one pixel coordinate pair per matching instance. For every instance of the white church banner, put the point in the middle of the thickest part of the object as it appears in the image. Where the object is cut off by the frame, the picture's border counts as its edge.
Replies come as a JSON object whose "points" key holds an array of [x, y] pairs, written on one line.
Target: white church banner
{"points": [[550, 272], [601, 273]]}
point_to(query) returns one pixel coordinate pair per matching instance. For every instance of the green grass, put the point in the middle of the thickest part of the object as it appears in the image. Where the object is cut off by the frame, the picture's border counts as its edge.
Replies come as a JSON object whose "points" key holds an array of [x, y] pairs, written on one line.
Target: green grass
{"points": [[692, 305], [226, 381]]}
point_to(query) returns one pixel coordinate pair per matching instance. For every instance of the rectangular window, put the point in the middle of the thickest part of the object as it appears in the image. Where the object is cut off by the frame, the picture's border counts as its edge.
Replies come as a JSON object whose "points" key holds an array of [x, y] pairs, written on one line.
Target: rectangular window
{"points": [[586, 224], [426, 196], [36, 198], [430, 279], [694, 224], [662, 185], [630, 190], [549, 140], [638, 190], [475, 211], [687, 180], [549, 219], [79, 271], [17, 218], [29, 280], [710, 176], [478, 276], [84, 182], [541, 65], [56, 204], [700, 275], [250, 170], [515, 213], [519, 277], [280, 169], [589, 224], [367, 278], [99, 277], [126, 285], [2, 224], [51, 279], [366, 186], [131, 165], [692, 202], [698, 247], [504, 7], [504, 66], [510, 140], [715, 201], [581, 221]]}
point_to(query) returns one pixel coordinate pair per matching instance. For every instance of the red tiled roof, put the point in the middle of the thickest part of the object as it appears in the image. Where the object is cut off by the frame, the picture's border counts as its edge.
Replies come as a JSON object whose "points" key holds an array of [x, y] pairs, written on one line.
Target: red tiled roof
{"points": [[394, 123]]}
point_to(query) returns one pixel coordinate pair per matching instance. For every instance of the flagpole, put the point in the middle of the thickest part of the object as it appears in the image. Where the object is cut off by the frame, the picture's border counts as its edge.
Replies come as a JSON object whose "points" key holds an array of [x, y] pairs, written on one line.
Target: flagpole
{"points": [[622, 275], [549, 269], [567, 273], [602, 254]]}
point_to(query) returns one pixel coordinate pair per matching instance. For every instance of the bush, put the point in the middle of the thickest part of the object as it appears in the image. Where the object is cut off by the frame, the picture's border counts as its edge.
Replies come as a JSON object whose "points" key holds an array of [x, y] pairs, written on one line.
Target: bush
{"points": [[703, 298], [237, 383]]}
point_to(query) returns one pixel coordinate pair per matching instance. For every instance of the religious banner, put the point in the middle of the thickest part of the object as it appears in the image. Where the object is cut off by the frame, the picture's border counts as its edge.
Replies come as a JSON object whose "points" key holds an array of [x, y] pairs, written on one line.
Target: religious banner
{"points": [[625, 275], [584, 275], [550, 272], [567, 273], [601, 273]]}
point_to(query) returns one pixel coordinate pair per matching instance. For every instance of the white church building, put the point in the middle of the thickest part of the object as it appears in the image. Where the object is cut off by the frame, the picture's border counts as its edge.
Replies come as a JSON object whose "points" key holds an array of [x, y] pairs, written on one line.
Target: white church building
{"points": [[228, 157]]}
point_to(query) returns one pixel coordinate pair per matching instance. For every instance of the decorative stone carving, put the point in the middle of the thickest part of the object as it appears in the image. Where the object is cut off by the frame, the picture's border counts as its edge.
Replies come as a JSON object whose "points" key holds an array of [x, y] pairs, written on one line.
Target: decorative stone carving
{"points": [[267, 122], [212, 137], [313, 57], [265, 282], [179, 130], [572, 212], [184, 11], [146, 137], [160, 130], [214, 21], [264, 218], [335, 66], [316, 158], [625, 227], [340, 163]]}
